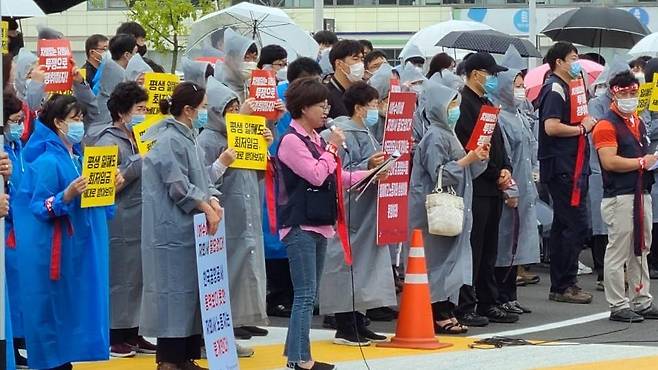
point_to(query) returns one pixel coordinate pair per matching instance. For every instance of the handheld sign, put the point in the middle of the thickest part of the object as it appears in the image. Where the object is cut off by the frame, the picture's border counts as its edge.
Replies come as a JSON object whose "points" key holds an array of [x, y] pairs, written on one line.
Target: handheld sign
{"points": [[578, 100], [644, 96], [395, 85], [245, 135], [653, 102], [143, 146], [263, 89], [484, 127], [100, 167], [5, 37], [393, 193], [214, 295], [159, 86], [55, 56]]}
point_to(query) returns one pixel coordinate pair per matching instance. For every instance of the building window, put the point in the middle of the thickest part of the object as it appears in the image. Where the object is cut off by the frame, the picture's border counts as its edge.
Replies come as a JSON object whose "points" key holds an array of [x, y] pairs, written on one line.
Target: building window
{"points": [[106, 4]]}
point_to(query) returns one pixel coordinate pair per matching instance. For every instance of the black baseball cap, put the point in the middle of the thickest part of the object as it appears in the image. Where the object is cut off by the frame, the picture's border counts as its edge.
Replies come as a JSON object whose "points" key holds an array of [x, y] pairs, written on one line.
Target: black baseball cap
{"points": [[482, 61]]}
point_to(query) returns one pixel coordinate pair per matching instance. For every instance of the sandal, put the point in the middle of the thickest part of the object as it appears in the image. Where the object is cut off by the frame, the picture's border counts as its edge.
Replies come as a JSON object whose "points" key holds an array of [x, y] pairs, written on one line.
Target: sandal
{"points": [[448, 328], [456, 322]]}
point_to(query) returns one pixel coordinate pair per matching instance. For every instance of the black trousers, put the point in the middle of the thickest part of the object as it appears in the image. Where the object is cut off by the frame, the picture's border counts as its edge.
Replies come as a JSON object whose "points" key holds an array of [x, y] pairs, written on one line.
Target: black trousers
{"points": [[484, 245], [66, 366], [118, 336], [506, 280], [599, 244], [568, 232], [652, 258], [443, 310], [279, 283], [178, 350]]}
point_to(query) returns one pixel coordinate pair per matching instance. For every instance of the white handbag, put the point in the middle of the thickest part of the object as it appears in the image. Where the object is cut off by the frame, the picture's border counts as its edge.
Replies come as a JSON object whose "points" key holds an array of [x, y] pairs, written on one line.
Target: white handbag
{"points": [[445, 210]]}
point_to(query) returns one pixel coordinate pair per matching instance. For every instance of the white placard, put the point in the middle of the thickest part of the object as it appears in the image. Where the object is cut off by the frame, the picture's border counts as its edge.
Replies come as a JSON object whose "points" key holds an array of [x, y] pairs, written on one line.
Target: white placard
{"points": [[212, 273]]}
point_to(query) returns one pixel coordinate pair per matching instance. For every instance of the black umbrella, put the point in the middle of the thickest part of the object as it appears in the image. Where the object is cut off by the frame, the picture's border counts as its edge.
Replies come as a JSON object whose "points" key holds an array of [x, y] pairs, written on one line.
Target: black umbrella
{"points": [[597, 27], [56, 6], [488, 40]]}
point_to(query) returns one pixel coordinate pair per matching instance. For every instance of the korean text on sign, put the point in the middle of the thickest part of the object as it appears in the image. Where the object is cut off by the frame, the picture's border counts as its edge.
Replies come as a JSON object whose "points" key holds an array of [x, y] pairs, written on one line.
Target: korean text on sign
{"points": [[263, 90], [644, 96], [245, 135], [100, 168], [214, 297], [55, 56], [578, 100], [653, 102], [143, 145], [159, 86], [484, 127], [393, 193]]}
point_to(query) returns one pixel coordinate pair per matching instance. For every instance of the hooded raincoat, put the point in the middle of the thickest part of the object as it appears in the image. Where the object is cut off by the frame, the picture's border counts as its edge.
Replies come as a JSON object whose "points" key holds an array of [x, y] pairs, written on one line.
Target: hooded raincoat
{"points": [[136, 66], [109, 75], [230, 71], [240, 197], [125, 233], [174, 181], [449, 259], [373, 277], [520, 144], [67, 319], [194, 71], [24, 62]]}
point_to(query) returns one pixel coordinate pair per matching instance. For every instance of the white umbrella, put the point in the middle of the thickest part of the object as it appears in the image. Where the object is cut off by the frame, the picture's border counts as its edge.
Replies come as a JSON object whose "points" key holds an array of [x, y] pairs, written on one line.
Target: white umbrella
{"points": [[426, 38], [20, 9], [266, 25], [647, 46]]}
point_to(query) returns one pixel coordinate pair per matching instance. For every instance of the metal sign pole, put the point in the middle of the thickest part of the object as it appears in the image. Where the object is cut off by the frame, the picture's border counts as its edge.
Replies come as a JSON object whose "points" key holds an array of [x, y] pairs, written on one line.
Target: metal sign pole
{"points": [[3, 340]]}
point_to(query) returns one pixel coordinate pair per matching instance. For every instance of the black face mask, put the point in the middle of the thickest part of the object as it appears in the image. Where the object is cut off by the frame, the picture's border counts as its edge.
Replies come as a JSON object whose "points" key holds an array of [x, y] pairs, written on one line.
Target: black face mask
{"points": [[15, 44], [141, 49]]}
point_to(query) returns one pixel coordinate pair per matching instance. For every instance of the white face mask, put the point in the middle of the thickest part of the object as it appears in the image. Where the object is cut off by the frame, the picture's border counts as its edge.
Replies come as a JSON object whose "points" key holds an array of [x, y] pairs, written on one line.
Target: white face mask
{"points": [[247, 67], [600, 90], [356, 72], [519, 95], [282, 74], [628, 105], [640, 77]]}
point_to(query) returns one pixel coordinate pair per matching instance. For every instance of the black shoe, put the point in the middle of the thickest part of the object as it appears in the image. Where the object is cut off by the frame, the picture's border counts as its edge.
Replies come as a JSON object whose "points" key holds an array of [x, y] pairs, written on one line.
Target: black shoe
{"points": [[317, 366], [382, 314], [473, 319], [241, 333], [497, 314], [350, 339], [21, 362], [511, 308], [372, 336], [255, 331], [279, 311], [626, 315], [329, 322], [649, 313], [653, 273], [521, 307]]}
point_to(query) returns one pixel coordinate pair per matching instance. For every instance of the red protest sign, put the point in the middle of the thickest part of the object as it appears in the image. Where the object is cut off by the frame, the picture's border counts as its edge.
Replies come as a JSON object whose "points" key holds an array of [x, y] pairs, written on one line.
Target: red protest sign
{"points": [[393, 193], [578, 100], [55, 56], [395, 85], [484, 127], [263, 89]]}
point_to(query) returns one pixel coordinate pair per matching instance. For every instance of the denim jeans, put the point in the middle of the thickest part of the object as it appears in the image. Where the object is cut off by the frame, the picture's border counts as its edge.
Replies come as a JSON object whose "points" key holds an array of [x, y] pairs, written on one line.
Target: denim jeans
{"points": [[306, 252]]}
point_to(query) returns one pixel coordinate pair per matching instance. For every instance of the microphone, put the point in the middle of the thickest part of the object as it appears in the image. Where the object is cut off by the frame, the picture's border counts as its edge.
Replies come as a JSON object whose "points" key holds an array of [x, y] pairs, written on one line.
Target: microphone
{"points": [[333, 129]]}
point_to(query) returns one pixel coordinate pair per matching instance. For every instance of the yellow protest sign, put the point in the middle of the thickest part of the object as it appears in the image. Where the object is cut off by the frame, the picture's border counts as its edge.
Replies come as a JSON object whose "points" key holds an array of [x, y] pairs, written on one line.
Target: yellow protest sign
{"points": [[143, 146], [5, 37], [245, 135], [159, 86], [653, 102], [644, 96], [100, 168]]}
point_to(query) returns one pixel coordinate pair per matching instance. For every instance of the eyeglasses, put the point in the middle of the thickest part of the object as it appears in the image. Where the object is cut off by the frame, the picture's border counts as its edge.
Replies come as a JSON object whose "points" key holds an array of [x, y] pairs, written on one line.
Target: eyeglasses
{"points": [[280, 64]]}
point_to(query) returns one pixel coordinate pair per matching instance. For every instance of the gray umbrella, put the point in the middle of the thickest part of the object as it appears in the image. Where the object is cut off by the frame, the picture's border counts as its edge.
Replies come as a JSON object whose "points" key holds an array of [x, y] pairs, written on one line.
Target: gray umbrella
{"points": [[597, 27], [489, 41]]}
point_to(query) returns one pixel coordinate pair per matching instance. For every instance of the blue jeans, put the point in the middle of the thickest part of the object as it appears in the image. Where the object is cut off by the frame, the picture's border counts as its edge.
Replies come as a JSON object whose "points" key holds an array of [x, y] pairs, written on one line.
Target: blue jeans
{"points": [[306, 252]]}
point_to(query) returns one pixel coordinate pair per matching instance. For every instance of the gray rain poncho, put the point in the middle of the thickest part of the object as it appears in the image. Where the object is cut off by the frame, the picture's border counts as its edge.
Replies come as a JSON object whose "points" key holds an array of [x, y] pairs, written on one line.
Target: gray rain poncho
{"points": [[136, 67], [449, 259], [448, 79], [194, 71], [174, 181], [109, 75], [25, 60], [229, 72], [520, 144], [373, 277], [381, 81], [240, 197]]}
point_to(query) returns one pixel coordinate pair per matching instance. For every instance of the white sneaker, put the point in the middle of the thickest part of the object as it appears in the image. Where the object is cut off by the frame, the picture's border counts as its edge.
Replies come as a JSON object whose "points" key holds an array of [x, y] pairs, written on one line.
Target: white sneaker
{"points": [[244, 351], [583, 269]]}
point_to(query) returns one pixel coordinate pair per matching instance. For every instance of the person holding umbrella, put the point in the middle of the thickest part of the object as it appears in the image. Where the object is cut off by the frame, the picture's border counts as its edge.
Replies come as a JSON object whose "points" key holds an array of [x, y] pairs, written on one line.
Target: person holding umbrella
{"points": [[563, 147]]}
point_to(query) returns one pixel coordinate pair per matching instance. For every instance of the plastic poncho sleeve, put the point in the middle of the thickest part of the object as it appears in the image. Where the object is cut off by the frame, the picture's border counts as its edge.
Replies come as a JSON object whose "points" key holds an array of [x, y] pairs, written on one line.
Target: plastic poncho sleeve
{"points": [[88, 100], [48, 193], [35, 94]]}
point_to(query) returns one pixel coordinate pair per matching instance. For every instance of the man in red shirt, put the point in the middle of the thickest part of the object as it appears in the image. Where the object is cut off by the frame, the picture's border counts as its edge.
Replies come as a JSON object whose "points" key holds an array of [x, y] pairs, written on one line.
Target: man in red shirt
{"points": [[622, 144]]}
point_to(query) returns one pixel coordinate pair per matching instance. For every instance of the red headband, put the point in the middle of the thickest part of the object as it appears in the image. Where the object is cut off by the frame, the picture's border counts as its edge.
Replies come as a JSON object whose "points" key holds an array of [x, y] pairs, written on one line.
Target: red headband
{"points": [[633, 88]]}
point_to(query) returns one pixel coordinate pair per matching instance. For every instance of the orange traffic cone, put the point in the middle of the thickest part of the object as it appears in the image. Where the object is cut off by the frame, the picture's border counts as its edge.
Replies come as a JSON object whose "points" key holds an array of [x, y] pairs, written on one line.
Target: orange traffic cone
{"points": [[415, 327]]}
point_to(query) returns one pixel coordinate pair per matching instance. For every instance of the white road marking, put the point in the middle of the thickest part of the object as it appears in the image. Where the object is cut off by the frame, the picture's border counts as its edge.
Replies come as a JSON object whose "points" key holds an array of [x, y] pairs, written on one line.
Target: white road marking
{"points": [[550, 326]]}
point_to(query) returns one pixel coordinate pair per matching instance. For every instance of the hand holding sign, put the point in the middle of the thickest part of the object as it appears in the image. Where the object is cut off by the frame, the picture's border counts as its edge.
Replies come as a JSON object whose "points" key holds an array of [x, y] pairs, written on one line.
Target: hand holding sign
{"points": [[376, 159], [38, 74], [119, 180], [75, 189], [267, 134], [228, 156]]}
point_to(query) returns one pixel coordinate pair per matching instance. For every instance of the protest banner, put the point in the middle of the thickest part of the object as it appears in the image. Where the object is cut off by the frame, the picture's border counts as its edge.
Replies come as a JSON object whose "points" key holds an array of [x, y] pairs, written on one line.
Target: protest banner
{"points": [[263, 89], [578, 100], [245, 135], [214, 295], [395, 85], [393, 193], [484, 127], [5, 37], [653, 103], [159, 86], [644, 96], [143, 146], [100, 168], [55, 56]]}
